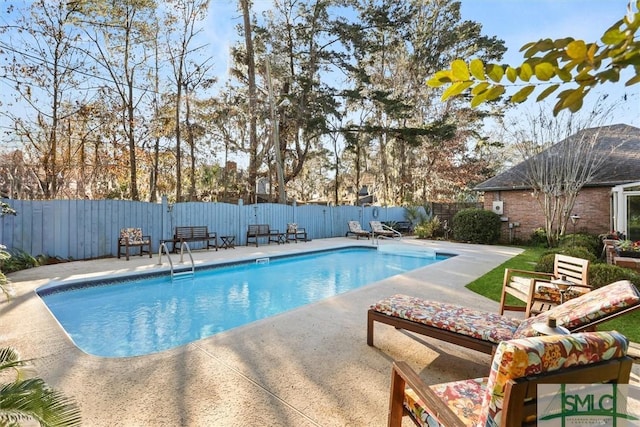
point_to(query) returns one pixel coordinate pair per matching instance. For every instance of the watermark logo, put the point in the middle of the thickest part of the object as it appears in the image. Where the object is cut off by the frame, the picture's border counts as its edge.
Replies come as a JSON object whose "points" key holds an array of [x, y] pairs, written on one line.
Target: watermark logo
{"points": [[588, 405]]}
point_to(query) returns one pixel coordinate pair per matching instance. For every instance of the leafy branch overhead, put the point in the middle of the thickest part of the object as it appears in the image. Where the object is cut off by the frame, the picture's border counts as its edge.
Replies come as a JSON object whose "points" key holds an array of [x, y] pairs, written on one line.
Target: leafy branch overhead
{"points": [[553, 63]]}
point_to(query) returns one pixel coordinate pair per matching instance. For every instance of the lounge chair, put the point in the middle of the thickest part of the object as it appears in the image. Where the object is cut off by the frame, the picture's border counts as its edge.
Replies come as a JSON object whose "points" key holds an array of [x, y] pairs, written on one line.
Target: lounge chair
{"points": [[378, 229], [483, 331], [537, 289], [512, 394], [356, 230]]}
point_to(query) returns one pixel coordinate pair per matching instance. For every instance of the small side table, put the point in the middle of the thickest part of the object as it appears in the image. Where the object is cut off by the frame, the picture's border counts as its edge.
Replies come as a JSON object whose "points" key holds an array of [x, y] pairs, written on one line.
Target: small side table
{"points": [[550, 328], [563, 285], [228, 242]]}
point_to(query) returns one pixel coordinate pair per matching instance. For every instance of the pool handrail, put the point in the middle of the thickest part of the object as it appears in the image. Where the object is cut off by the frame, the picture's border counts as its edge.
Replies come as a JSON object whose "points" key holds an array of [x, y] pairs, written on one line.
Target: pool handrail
{"points": [[193, 269], [166, 251]]}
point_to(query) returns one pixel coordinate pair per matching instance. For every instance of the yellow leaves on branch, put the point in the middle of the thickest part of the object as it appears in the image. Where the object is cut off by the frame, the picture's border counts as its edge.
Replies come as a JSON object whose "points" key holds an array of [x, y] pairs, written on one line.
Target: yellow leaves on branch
{"points": [[553, 63]]}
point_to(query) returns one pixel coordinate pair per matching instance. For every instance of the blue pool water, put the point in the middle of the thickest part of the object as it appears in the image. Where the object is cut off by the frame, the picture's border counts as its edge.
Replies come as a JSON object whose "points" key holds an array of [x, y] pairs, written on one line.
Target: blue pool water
{"points": [[145, 315]]}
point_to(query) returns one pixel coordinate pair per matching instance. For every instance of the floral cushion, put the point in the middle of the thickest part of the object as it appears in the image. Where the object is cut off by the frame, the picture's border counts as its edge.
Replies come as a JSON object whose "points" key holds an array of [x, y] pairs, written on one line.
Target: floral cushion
{"points": [[479, 401], [464, 398], [586, 308], [530, 356], [292, 227], [466, 321], [552, 294], [354, 227], [134, 235]]}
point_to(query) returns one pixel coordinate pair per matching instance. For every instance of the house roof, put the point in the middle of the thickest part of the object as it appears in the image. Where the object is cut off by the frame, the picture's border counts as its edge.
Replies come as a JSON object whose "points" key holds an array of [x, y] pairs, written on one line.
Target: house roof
{"points": [[619, 144]]}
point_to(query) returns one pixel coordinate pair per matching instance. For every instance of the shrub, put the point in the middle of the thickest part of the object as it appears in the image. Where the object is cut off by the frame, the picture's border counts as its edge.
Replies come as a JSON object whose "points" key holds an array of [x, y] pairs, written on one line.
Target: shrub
{"points": [[426, 229], [591, 242], [538, 237], [476, 226], [19, 260], [602, 274], [545, 263]]}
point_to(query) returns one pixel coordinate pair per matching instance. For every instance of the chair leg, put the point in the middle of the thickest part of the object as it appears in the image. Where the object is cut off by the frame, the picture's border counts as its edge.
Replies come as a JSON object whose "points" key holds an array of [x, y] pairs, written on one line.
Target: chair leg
{"points": [[396, 399], [503, 297]]}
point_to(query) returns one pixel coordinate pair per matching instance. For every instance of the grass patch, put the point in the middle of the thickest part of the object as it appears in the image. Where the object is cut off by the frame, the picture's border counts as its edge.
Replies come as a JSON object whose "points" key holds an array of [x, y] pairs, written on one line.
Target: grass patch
{"points": [[490, 286]]}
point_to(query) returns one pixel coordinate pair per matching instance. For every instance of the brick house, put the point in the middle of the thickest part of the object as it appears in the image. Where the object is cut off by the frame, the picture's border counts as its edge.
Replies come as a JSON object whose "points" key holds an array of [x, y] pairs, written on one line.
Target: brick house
{"points": [[610, 201]]}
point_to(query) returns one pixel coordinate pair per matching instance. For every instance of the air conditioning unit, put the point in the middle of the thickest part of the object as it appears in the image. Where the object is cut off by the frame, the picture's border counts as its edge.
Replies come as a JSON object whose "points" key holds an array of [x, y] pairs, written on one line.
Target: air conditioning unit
{"points": [[498, 207]]}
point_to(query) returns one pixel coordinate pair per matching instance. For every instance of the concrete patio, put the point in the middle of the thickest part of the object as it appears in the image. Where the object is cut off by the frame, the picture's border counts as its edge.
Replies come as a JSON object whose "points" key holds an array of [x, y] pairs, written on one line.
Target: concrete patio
{"points": [[306, 367]]}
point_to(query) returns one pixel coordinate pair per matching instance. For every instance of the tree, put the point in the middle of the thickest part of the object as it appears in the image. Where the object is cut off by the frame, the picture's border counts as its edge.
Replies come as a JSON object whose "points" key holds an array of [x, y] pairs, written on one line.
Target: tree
{"points": [[31, 399], [560, 157], [181, 20], [253, 105], [396, 47], [554, 63], [298, 42], [122, 32], [43, 66]]}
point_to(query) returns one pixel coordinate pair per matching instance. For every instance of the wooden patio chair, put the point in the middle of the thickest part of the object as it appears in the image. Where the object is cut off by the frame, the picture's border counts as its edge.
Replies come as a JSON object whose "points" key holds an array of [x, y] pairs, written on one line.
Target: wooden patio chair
{"points": [[483, 330], [133, 238], [537, 289], [510, 396], [296, 233], [356, 230]]}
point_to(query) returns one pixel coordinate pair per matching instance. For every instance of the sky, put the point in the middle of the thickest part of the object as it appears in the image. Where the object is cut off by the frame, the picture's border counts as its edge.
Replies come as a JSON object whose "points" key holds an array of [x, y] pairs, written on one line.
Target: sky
{"points": [[517, 22]]}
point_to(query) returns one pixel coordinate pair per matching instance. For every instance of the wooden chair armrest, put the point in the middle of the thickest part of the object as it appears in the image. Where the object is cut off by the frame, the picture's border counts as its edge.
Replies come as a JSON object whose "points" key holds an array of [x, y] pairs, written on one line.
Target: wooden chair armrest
{"points": [[532, 273], [402, 375], [575, 285]]}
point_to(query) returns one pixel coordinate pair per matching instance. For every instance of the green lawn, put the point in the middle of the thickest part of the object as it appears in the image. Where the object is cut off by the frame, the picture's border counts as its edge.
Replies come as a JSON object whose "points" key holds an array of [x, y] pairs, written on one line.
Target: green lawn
{"points": [[490, 285]]}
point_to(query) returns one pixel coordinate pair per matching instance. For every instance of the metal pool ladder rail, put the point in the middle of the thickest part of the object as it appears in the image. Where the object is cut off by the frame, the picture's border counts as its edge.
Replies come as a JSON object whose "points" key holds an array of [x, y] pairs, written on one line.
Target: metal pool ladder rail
{"points": [[163, 248]]}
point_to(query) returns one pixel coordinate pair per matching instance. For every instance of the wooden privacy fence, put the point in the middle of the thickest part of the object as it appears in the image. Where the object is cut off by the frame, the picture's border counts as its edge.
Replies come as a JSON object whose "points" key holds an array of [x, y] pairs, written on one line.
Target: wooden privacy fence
{"points": [[85, 229]]}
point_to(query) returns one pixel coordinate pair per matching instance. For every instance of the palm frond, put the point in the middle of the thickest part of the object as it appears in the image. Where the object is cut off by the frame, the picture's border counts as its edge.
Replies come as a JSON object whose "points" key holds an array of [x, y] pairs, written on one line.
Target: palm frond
{"points": [[10, 359], [34, 399]]}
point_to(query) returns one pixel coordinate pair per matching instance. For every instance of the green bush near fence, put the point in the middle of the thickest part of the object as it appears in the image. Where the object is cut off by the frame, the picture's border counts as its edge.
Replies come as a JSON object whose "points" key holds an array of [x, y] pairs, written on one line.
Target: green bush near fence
{"points": [[427, 228], [476, 226]]}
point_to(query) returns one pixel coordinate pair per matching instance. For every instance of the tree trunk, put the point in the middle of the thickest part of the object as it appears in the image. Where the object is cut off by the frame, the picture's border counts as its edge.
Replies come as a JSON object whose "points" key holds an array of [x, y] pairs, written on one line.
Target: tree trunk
{"points": [[251, 74]]}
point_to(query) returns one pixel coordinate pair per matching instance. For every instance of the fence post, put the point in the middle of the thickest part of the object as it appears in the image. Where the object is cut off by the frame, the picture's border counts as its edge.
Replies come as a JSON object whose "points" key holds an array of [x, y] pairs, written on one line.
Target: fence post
{"points": [[165, 221], [240, 222]]}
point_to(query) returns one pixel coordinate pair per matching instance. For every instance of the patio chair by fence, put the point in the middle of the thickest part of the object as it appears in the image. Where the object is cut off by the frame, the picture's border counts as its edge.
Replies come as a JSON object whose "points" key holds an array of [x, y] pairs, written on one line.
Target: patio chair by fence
{"points": [[133, 238], [295, 233]]}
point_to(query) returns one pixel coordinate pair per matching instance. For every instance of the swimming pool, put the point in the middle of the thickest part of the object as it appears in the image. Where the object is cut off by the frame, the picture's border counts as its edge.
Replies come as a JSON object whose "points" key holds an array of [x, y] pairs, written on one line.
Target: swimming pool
{"points": [[140, 315]]}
